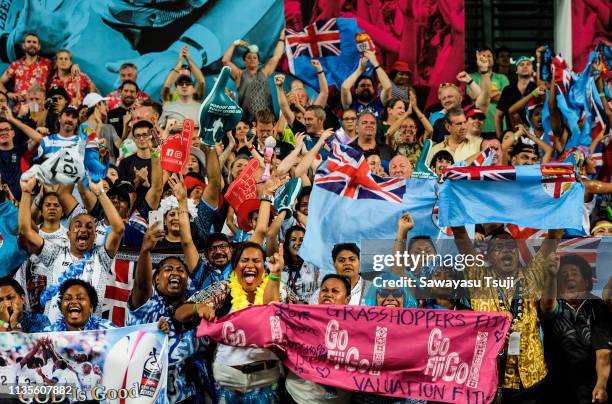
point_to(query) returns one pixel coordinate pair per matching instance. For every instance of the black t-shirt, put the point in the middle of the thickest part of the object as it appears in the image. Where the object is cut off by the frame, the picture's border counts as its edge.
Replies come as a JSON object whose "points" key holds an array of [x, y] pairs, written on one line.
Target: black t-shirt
{"points": [[509, 96], [126, 173], [115, 118], [386, 152], [570, 341], [10, 168]]}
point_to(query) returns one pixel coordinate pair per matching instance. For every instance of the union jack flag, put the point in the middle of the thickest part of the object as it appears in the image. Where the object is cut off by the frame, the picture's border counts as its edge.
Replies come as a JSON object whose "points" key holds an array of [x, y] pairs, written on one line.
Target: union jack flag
{"points": [[485, 158], [115, 302], [347, 173], [561, 73], [498, 173], [319, 39]]}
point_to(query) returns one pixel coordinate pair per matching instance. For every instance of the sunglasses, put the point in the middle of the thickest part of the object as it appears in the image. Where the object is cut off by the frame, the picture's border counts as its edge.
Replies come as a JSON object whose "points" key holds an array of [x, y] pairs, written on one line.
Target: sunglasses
{"points": [[384, 293], [447, 85]]}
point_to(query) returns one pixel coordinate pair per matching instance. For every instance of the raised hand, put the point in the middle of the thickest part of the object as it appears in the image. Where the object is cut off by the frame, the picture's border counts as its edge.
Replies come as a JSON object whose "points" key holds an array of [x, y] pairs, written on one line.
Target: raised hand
{"points": [[316, 64], [177, 184], [152, 236], [464, 77], [28, 185], [276, 262], [274, 183], [279, 79], [405, 223]]}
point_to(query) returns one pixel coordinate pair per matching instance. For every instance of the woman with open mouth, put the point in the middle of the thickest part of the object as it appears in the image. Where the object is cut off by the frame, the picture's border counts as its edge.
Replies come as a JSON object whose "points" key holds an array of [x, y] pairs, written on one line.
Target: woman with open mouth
{"points": [[242, 374], [335, 289], [78, 301]]}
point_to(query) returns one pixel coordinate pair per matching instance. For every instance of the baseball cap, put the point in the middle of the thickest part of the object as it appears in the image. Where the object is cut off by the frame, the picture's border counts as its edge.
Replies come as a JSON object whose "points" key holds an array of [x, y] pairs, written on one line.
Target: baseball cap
{"points": [[400, 66], [70, 110], [92, 99], [475, 113], [184, 79], [57, 90], [128, 186]]}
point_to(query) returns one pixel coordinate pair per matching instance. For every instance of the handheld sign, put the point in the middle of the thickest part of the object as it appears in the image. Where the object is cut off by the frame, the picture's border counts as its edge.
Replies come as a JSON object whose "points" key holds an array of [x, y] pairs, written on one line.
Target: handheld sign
{"points": [[175, 150]]}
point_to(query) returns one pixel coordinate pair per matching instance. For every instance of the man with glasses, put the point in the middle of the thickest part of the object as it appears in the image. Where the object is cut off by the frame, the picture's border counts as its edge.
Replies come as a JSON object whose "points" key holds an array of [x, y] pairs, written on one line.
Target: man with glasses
{"points": [[217, 267], [459, 144], [137, 167], [185, 107], [128, 91]]}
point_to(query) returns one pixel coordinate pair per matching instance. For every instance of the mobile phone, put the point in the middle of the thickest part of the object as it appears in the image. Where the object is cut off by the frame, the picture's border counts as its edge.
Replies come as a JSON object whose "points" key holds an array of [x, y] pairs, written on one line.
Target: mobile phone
{"points": [[156, 216]]}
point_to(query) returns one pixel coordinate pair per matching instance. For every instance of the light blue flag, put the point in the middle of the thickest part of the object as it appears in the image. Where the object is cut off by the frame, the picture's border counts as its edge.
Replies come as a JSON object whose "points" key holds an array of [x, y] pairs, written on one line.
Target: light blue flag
{"points": [[11, 255], [332, 42], [519, 195]]}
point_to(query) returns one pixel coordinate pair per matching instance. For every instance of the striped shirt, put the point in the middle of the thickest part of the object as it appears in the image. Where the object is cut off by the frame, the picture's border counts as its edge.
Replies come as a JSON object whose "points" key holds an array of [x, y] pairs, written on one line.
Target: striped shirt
{"points": [[52, 144]]}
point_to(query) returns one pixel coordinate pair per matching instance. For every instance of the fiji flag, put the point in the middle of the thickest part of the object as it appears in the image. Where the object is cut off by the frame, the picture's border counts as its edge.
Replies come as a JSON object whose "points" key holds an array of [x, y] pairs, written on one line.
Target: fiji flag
{"points": [[542, 197], [332, 42], [349, 204]]}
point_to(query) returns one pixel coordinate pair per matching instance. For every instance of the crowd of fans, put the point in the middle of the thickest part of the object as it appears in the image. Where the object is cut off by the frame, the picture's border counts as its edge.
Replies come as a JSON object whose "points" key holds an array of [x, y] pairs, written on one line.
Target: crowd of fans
{"points": [[72, 233]]}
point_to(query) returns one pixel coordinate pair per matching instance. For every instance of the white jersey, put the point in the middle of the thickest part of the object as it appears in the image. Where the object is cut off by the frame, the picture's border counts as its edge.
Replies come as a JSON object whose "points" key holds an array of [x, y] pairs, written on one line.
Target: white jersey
{"points": [[65, 377], [9, 373], [29, 376]]}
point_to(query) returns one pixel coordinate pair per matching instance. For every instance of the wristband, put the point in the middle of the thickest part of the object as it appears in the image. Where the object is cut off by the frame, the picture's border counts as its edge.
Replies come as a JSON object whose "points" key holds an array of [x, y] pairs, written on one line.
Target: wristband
{"points": [[181, 211], [267, 198], [155, 153], [469, 83], [377, 67], [174, 70], [321, 72], [274, 278], [602, 94], [534, 93], [194, 308], [97, 194], [4, 324]]}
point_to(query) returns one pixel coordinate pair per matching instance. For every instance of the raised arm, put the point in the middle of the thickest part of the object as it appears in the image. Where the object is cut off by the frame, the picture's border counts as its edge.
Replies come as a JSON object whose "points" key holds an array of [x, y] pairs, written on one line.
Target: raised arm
{"points": [[215, 182], [88, 198], [289, 162], [323, 87], [227, 60], [548, 149], [192, 257], [312, 153], [272, 236], [154, 192], [483, 101], [276, 264], [383, 79], [602, 368], [143, 278], [113, 240], [345, 90], [197, 74], [281, 96], [25, 216], [171, 77], [520, 105], [32, 134], [404, 224], [548, 301], [271, 64], [263, 218]]}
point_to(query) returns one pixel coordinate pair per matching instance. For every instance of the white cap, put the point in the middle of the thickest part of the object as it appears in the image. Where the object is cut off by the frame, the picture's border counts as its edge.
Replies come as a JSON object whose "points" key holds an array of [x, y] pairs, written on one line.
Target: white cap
{"points": [[92, 99]]}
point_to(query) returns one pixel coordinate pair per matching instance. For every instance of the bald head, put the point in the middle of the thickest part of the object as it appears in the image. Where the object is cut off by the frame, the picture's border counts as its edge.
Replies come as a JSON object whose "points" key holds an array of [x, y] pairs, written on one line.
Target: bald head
{"points": [[400, 167]]}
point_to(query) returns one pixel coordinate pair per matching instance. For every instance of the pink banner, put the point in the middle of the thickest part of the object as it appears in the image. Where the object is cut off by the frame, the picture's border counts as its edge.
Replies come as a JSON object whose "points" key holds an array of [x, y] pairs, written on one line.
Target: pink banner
{"points": [[590, 25], [435, 355], [429, 35]]}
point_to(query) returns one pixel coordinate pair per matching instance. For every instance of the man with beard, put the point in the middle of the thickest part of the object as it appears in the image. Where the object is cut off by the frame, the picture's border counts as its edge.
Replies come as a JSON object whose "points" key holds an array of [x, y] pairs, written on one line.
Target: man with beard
{"points": [[157, 294], [522, 361], [29, 70], [97, 114], [366, 136], [66, 136], [217, 267], [365, 94], [79, 257], [522, 87], [577, 336], [347, 263], [129, 91], [127, 71]]}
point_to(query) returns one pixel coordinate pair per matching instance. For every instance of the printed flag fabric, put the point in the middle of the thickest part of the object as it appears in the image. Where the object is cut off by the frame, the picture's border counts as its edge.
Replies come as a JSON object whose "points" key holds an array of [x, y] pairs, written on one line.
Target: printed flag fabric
{"points": [[544, 197], [130, 362], [349, 204], [332, 42], [452, 356]]}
